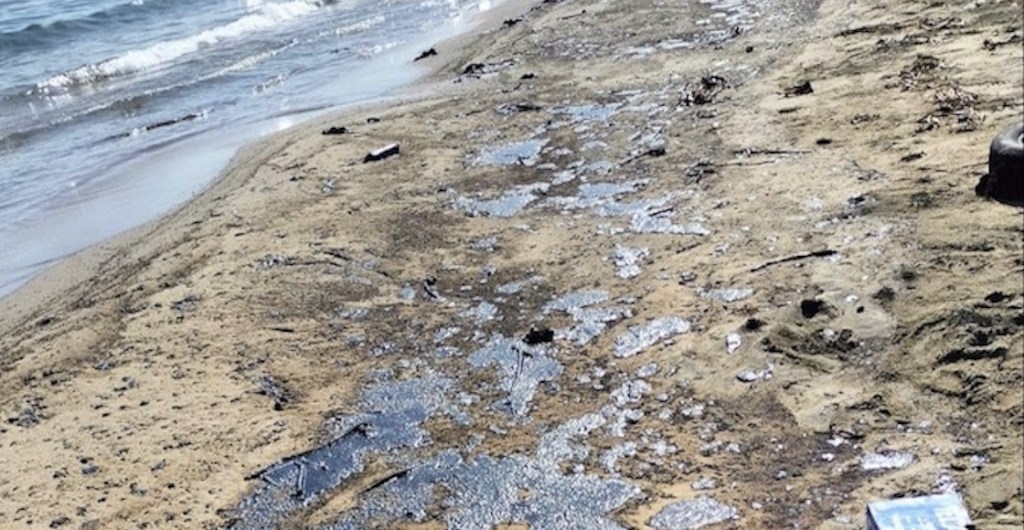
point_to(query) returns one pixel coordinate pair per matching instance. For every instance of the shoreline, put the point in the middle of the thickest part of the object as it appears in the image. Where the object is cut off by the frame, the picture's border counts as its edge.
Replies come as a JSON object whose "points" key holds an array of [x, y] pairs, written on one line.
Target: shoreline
{"points": [[75, 268], [779, 323]]}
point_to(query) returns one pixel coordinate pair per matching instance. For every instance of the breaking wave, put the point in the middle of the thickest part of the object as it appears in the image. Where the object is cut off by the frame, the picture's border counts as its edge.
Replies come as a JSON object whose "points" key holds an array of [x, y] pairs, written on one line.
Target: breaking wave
{"points": [[162, 54]]}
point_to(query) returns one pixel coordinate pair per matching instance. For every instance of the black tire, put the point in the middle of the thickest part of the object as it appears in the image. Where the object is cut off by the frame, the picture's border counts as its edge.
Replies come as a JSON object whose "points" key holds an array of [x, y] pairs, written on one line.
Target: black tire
{"points": [[1005, 179]]}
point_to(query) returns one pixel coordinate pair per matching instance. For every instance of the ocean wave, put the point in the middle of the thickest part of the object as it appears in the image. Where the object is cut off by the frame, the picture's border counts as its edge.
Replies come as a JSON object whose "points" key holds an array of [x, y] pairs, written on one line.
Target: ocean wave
{"points": [[58, 32], [264, 16], [14, 135]]}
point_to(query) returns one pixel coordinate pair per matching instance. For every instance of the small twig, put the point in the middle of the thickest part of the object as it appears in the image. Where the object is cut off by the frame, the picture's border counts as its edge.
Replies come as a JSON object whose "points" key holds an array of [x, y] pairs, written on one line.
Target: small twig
{"points": [[282, 329], [394, 476], [300, 480], [337, 253], [756, 151], [746, 164], [796, 257]]}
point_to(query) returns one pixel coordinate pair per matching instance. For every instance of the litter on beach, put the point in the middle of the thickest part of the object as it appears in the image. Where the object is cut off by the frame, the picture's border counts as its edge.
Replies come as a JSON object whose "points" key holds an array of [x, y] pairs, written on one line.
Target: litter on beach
{"points": [[935, 512]]}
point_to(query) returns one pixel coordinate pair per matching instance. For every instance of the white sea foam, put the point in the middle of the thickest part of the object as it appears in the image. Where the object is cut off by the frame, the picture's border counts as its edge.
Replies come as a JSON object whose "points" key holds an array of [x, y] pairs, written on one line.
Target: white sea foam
{"points": [[264, 16], [359, 26]]}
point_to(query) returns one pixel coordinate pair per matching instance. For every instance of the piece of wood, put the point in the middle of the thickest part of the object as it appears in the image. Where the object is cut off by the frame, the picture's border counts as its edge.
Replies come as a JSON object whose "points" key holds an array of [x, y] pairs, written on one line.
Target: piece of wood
{"points": [[796, 257]]}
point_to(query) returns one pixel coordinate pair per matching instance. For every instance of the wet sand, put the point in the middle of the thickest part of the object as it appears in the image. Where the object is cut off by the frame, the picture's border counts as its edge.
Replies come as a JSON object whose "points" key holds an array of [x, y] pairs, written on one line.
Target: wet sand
{"points": [[623, 257]]}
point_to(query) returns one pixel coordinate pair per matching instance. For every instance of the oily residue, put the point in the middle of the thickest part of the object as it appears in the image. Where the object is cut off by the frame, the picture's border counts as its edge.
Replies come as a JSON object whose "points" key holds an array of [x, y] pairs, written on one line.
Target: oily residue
{"points": [[588, 113], [508, 204], [526, 153], [521, 367], [588, 322], [481, 492], [727, 295], [591, 195], [395, 412], [639, 338], [628, 259], [652, 216], [693, 514]]}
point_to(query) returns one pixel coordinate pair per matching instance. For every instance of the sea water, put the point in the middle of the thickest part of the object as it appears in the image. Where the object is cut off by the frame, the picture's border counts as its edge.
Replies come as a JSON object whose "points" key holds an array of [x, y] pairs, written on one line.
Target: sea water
{"points": [[113, 112]]}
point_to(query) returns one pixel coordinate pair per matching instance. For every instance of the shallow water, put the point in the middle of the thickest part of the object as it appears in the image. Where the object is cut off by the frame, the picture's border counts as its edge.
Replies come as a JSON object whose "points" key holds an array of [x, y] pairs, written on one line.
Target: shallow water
{"points": [[112, 112]]}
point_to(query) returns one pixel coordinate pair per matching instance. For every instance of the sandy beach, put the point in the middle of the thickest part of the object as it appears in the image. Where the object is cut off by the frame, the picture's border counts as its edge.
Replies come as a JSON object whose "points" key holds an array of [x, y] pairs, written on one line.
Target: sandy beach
{"points": [[630, 255]]}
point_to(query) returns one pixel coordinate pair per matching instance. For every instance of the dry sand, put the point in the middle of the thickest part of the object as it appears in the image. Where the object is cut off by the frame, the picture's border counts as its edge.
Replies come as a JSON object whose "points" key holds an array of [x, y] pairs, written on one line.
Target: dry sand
{"points": [[146, 382]]}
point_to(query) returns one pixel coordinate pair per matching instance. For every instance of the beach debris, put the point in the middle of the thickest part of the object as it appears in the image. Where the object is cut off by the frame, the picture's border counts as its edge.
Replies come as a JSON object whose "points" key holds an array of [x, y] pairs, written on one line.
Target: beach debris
{"points": [[993, 45], [574, 15], [694, 173], [639, 338], [373, 119], [482, 69], [702, 92], [334, 131], [733, 341], [186, 303], [1004, 182], [749, 376], [271, 261], [430, 288], [539, 336], [812, 307], [768, 151], [276, 390], [823, 253], [29, 415], [953, 102], [727, 295], [933, 512], [923, 68], [329, 186], [693, 514], [885, 460], [628, 259], [887, 27], [522, 368], [192, 116], [387, 151], [514, 108], [428, 53], [799, 89]]}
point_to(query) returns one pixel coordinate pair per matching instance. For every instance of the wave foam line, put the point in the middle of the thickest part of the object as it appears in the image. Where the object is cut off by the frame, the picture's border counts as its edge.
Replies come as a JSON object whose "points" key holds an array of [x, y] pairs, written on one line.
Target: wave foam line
{"points": [[267, 16]]}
